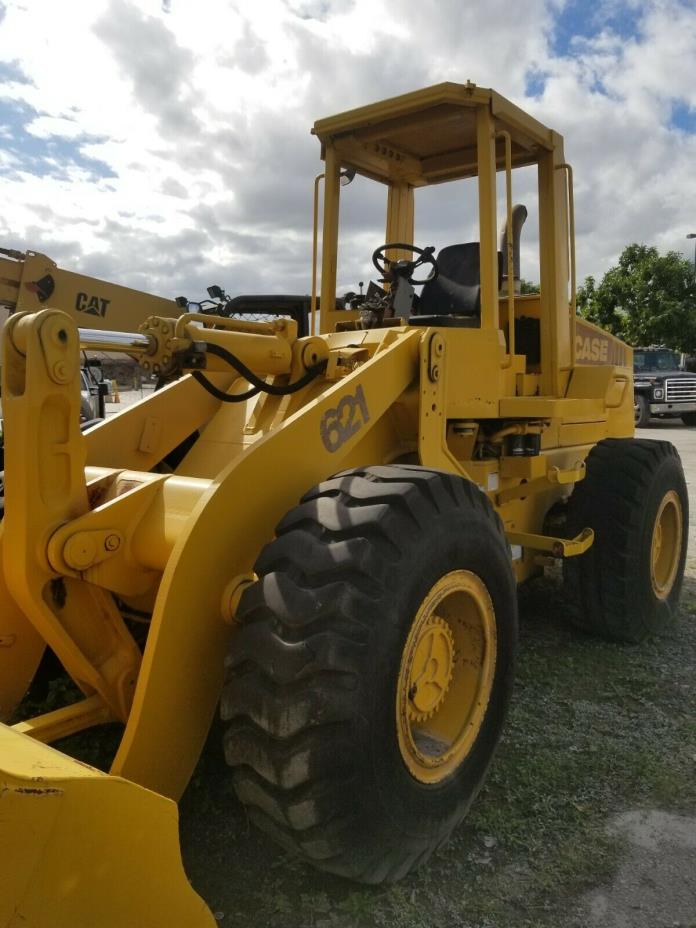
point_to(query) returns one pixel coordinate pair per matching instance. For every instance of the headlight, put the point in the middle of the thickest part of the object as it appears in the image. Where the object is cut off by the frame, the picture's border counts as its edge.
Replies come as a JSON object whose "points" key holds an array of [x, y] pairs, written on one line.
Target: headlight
{"points": [[658, 393], [641, 383]]}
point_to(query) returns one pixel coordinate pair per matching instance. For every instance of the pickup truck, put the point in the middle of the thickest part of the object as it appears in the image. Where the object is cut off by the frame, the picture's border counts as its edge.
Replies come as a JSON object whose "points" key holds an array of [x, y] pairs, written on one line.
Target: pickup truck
{"points": [[661, 387]]}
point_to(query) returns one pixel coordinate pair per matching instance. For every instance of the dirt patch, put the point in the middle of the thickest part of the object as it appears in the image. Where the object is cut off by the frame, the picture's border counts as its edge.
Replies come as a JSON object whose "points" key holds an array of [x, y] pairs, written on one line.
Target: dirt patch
{"points": [[655, 886]]}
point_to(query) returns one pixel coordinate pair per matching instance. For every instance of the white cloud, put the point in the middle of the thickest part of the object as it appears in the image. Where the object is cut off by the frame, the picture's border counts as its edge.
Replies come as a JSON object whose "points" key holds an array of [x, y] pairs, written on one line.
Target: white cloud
{"points": [[199, 117]]}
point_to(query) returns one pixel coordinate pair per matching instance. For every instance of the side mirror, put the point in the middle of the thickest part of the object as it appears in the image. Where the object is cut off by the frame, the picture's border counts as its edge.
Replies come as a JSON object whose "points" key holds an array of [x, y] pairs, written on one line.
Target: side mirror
{"points": [[216, 293]]}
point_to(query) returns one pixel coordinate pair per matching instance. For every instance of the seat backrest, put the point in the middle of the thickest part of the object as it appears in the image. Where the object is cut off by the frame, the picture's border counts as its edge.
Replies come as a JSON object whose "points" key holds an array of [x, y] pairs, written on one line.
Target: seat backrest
{"points": [[457, 289], [461, 263]]}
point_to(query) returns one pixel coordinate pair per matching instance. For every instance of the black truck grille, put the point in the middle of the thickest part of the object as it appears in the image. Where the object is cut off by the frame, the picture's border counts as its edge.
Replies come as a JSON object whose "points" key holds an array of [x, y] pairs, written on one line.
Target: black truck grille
{"points": [[680, 390]]}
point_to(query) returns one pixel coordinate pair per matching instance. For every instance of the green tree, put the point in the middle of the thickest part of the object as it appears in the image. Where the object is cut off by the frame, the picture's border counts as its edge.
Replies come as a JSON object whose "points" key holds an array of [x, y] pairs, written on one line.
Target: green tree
{"points": [[647, 299], [526, 286]]}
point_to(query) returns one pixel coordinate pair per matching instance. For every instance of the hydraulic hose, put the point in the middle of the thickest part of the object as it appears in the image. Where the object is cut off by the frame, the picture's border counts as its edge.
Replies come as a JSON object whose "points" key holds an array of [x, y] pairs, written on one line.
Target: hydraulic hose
{"points": [[258, 384]]}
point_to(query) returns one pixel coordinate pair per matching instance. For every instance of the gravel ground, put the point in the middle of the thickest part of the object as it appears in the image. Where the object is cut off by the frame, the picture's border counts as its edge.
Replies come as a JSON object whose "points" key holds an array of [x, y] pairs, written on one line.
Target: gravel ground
{"points": [[656, 882]]}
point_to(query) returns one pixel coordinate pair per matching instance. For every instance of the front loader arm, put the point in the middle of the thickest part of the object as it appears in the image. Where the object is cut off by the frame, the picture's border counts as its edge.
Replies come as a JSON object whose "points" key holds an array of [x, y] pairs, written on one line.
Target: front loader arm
{"points": [[78, 835], [240, 510], [196, 539], [44, 468]]}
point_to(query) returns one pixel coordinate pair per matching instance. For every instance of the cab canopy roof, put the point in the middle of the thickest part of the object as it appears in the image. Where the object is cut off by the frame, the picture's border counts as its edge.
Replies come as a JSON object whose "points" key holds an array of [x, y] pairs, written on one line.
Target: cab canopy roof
{"points": [[429, 136]]}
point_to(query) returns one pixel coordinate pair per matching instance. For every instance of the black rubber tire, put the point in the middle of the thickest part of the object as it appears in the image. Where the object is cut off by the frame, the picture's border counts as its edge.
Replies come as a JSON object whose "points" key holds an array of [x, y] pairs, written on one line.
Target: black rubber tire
{"points": [[641, 411], [689, 418], [311, 676], [609, 587]]}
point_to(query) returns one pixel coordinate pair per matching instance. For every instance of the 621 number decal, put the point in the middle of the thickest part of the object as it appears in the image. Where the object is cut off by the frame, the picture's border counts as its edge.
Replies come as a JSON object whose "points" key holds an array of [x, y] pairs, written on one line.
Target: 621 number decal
{"points": [[340, 424]]}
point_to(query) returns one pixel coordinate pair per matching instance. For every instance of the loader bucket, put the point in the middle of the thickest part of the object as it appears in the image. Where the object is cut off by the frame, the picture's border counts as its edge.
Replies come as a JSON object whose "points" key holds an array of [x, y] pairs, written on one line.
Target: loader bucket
{"points": [[81, 849]]}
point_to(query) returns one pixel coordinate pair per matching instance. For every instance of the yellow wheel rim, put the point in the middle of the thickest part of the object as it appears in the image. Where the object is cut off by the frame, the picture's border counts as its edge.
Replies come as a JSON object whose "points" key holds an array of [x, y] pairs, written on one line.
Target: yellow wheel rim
{"points": [[666, 547], [446, 676]]}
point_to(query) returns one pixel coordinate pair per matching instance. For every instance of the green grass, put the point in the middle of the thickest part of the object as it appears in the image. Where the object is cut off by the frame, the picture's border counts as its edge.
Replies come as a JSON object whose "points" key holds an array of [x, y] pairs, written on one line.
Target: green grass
{"points": [[594, 728]]}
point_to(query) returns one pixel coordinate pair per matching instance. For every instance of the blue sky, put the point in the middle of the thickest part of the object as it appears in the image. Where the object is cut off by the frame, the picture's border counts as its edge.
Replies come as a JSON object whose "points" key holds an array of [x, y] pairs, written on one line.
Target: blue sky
{"points": [[41, 155], [580, 22], [581, 19]]}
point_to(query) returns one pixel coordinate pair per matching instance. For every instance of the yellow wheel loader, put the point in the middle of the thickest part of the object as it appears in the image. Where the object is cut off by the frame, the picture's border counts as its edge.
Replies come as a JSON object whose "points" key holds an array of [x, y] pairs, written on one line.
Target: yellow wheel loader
{"points": [[321, 535], [30, 281]]}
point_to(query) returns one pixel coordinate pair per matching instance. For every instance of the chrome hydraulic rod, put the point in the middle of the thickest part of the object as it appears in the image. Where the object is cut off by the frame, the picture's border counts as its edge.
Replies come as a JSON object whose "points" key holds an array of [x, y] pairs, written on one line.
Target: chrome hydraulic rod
{"points": [[129, 342]]}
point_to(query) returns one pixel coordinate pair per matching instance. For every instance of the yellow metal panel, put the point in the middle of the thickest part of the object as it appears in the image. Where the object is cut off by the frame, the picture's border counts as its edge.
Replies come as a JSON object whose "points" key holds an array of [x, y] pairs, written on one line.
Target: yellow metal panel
{"points": [[543, 407], [580, 432], [427, 136], [485, 141], [118, 442], [400, 106], [92, 303], [521, 126], [595, 346], [83, 849], [10, 278], [590, 382], [554, 269], [432, 406], [21, 646], [559, 547], [51, 726], [329, 254], [222, 439], [44, 466], [399, 217], [527, 468], [620, 392]]}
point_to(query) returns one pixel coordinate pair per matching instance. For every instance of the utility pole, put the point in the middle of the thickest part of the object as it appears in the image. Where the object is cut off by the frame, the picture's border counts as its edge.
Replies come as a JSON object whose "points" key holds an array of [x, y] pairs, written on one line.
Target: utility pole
{"points": [[693, 235]]}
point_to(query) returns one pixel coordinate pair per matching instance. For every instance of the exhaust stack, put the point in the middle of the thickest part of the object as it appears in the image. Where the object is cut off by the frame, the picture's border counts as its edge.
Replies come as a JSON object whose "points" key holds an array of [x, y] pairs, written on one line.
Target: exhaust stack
{"points": [[519, 216]]}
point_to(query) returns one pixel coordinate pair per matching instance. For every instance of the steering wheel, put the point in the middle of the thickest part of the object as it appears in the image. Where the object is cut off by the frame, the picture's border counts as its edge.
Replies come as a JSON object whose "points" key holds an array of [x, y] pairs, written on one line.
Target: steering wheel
{"points": [[425, 256]]}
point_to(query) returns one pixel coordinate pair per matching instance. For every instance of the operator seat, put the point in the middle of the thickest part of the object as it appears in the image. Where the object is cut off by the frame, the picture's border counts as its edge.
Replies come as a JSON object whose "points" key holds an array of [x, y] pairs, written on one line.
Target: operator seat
{"points": [[455, 293]]}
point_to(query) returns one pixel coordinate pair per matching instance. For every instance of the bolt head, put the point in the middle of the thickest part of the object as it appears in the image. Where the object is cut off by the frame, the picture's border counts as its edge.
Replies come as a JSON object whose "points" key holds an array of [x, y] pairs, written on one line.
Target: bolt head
{"points": [[60, 371], [80, 551]]}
